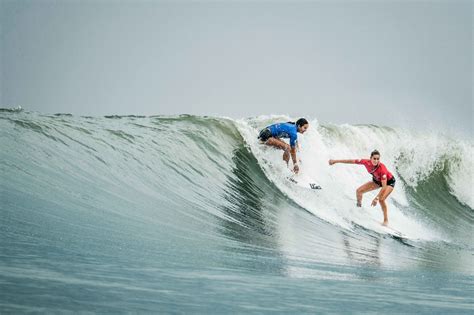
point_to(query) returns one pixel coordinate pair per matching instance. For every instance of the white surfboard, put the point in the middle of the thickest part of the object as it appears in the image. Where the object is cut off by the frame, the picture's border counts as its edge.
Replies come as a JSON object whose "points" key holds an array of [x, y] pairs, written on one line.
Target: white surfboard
{"points": [[389, 230], [304, 182], [395, 232]]}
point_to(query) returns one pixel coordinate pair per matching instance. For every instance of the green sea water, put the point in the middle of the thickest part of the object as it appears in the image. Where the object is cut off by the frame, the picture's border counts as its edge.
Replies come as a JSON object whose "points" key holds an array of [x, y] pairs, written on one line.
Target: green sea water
{"points": [[189, 214]]}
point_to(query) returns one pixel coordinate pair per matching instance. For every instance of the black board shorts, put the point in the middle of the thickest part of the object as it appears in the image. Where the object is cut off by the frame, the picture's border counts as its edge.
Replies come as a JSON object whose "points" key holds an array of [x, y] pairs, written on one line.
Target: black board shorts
{"points": [[390, 182], [265, 134]]}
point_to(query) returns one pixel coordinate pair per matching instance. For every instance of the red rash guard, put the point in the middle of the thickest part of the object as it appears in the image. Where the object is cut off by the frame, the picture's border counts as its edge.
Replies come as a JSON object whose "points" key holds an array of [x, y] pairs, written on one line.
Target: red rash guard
{"points": [[379, 172]]}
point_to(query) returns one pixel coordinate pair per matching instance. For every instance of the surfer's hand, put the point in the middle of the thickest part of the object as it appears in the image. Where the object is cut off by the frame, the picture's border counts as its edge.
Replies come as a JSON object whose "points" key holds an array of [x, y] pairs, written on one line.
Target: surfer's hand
{"points": [[374, 202], [296, 169], [331, 162]]}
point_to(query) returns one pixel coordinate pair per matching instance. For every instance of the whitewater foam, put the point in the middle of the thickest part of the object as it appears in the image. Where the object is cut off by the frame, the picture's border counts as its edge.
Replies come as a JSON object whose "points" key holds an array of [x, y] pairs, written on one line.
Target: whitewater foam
{"points": [[409, 156]]}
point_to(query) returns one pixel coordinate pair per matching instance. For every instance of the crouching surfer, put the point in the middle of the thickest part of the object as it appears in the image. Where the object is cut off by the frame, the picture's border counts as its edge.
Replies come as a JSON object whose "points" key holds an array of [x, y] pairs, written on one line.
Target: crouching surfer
{"points": [[381, 178], [271, 135]]}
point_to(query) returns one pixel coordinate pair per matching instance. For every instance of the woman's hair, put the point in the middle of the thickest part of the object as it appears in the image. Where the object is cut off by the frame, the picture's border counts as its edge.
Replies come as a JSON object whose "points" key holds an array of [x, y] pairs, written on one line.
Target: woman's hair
{"points": [[300, 122], [375, 152]]}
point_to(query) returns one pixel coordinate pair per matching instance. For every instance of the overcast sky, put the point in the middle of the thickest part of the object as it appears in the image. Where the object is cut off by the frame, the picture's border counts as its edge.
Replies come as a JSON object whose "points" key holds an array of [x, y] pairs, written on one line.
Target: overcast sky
{"points": [[383, 62]]}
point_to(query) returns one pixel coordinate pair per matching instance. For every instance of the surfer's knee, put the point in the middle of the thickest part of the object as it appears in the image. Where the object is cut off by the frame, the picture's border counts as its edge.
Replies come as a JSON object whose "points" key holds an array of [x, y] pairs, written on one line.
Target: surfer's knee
{"points": [[383, 197]]}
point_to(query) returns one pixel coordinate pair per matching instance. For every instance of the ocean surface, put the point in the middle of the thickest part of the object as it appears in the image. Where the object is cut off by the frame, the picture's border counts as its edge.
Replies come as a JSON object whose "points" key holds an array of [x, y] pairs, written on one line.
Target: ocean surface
{"points": [[190, 214]]}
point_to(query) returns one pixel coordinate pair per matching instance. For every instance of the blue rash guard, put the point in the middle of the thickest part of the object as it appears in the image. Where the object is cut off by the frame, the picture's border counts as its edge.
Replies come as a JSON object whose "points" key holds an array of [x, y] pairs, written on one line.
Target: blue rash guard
{"points": [[285, 130]]}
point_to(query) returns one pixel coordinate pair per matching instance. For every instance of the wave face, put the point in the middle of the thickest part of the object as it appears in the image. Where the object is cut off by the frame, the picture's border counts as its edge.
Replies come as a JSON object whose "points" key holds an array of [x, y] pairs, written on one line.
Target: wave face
{"points": [[191, 214]]}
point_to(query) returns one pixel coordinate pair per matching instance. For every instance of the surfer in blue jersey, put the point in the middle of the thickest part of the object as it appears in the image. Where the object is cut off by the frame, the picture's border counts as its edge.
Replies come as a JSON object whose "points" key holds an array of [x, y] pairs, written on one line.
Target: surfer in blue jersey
{"points": [[271, 135]]}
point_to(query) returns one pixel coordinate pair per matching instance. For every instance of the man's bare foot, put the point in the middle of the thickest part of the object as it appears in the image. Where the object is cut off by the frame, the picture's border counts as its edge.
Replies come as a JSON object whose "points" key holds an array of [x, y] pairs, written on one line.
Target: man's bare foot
{"points": [[359, 204], [385, 223]]}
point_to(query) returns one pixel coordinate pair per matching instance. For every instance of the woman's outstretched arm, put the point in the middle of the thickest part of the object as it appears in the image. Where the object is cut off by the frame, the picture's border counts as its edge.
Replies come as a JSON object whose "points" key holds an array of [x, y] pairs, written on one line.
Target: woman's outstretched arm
{"points": [[331, 162]]}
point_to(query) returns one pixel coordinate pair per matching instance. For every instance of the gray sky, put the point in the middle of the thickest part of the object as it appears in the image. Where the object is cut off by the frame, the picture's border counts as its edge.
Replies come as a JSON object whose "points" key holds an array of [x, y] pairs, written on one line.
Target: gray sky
{"points": [[383, 62]]}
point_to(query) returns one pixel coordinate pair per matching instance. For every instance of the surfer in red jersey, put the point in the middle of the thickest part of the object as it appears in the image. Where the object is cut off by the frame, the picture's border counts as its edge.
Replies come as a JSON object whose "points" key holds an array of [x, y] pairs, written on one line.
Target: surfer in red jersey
{"points": [[381, 178]]}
